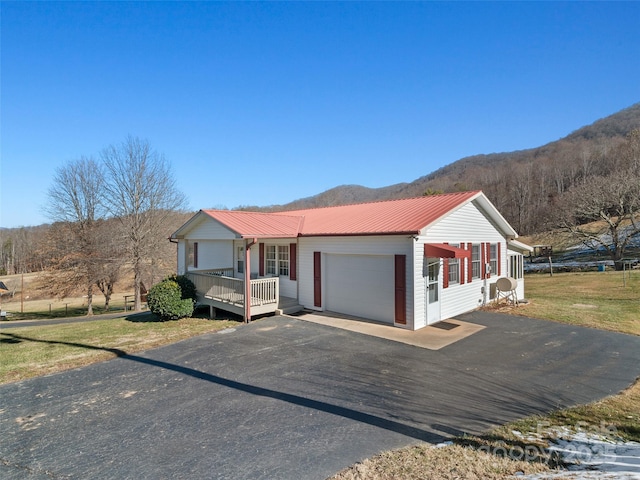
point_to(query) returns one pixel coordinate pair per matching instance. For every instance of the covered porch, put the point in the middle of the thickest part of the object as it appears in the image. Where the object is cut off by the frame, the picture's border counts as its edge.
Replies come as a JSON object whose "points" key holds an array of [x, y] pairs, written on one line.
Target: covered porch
{"points": [[218, 288]]}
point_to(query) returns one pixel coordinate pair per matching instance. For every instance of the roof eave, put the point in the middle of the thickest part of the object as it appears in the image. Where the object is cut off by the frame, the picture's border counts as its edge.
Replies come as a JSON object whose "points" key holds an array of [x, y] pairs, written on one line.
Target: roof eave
{"points": [[361, 234], [515, 244], [268, 236]]}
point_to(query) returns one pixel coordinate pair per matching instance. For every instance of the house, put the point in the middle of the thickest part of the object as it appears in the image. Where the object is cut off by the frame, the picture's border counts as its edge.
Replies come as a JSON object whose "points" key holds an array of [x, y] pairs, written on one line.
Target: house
{"points": [[408, 262]]}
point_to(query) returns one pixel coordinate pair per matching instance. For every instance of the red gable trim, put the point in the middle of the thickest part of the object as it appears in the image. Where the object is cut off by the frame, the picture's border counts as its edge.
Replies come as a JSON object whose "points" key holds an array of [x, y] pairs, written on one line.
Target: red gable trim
{"points": [[441, 250]]}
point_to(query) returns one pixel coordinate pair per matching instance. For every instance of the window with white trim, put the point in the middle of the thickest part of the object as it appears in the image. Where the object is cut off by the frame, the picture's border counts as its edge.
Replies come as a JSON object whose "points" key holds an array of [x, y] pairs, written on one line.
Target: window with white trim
{"points": [[240, 259], [283, 260], [493, 258], [271, 259], [454, 268], [277, 260], [475, 261], [516, 266]]}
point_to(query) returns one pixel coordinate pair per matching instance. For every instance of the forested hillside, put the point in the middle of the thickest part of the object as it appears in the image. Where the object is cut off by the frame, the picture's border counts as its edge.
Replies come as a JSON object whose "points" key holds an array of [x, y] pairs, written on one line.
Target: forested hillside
{"points": [[526, 186], [530, 187]]}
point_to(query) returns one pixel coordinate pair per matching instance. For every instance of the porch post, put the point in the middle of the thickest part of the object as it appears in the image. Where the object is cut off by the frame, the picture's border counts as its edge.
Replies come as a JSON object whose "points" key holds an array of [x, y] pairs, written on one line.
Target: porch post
{"points": [[247, 278]]}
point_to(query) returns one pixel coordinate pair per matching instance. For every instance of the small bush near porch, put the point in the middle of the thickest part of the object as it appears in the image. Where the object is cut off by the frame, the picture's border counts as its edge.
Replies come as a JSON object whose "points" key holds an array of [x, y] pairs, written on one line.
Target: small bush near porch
{"points": [[172, 298]]}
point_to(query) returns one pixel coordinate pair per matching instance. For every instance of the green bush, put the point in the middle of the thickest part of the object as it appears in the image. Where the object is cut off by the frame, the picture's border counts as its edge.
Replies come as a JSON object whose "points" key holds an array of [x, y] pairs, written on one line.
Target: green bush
{"points": [[187, 287], [165, 300]]}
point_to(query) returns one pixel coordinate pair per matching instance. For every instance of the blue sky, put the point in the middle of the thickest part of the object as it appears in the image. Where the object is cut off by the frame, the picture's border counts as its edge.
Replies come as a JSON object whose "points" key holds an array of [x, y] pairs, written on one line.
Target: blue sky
{"points": [[263, 103]]}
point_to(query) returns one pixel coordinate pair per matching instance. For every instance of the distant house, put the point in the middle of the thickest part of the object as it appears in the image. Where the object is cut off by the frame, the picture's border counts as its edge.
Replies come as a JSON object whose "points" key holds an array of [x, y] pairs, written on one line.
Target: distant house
{"points": [[409, 262]]}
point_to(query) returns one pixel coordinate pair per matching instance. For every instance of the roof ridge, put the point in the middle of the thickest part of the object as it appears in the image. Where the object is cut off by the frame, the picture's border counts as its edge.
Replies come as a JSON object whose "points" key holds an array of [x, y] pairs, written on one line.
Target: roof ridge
{"points": [[250, 212], [389, 200]]}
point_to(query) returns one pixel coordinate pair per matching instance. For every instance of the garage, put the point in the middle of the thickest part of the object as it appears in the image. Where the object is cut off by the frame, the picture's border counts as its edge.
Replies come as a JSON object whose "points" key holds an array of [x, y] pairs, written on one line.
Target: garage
{"points": [[361, 285]]}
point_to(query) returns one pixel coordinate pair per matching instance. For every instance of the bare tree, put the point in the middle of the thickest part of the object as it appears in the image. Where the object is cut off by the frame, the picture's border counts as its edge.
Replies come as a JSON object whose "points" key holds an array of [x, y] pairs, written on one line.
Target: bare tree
{"points": [[111, 260], [519, 185], [605, 213], [75, 202], [141, 194]]}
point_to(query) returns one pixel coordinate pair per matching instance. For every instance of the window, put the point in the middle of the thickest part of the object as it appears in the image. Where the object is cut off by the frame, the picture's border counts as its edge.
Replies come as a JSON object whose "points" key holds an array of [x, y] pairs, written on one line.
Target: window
{"points": [[454, 268], [493, 258], [277, 260], [192, 254], [516, 267], [283, 260], [240, 259], [271, 260], [475, 261]]}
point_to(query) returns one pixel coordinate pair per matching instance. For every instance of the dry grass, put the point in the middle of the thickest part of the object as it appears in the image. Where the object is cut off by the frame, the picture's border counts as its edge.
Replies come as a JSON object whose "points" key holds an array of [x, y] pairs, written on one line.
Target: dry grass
{"points": [[30, 302], [454, 462], [40, 350], [620, 412], [501, 453]]}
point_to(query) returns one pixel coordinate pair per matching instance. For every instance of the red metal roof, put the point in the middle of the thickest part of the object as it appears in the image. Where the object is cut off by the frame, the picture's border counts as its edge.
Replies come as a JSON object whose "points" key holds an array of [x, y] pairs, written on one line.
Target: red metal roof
{"points": [[258, 225], [403, 216]]}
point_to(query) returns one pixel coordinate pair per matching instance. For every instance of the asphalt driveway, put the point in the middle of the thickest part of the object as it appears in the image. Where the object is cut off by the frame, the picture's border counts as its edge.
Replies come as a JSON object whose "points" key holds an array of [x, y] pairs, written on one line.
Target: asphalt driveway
{"points": [[288, 399]]}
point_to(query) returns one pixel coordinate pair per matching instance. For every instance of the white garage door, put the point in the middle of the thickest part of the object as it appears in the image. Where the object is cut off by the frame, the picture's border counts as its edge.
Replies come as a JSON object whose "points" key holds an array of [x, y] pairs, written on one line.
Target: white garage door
{"points": [[361, 285]]}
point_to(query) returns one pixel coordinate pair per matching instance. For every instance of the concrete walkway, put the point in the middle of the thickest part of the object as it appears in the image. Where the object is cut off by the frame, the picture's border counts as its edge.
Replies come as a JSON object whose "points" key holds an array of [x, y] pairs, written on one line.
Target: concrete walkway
{"points": [[432, 337]]}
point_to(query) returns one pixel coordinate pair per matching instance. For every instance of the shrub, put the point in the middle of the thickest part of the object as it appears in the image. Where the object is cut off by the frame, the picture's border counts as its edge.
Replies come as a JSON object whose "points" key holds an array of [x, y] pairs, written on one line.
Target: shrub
{"points": [[165, 300], [187, 287]]}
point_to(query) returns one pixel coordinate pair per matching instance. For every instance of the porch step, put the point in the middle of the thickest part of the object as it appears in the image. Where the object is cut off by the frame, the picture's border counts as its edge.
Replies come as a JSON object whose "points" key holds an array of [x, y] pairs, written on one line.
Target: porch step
{"points": [[289, 309]]}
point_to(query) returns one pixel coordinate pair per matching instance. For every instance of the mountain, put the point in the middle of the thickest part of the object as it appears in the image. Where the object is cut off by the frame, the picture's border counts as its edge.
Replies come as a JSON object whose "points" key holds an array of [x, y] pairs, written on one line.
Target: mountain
{"points": [[524, 185]]}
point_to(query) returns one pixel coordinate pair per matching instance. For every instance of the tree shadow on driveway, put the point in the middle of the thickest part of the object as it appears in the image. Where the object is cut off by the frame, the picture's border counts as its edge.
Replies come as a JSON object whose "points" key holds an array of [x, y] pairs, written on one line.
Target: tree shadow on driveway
{"points": [[321, 406]]}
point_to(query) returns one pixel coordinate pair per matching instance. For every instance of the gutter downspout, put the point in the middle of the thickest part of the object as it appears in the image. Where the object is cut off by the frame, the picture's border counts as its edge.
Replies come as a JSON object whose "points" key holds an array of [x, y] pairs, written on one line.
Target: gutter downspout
{"points": [[247, 278]]}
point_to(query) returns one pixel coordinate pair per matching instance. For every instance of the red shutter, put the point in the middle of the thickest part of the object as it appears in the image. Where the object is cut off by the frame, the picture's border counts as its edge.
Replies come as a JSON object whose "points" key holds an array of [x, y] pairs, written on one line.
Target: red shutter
{"points": [[401, 289], [293, 262], [445, 273], [317, 279], [462, 260], [499, 262], [470, 269], [195, 254], [261, 259]]}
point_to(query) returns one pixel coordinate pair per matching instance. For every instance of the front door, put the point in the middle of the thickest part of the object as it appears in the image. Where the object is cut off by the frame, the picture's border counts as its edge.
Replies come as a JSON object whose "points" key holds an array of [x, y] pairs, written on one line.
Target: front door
{"points": [[432, 285]]}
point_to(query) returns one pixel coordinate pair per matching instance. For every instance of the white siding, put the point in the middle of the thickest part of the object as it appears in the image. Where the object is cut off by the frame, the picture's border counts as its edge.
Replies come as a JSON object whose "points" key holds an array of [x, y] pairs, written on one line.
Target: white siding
{"points": [[215, 250], [465, 225], [209, 228], [214, 254], [363, 245], [419, 293]]}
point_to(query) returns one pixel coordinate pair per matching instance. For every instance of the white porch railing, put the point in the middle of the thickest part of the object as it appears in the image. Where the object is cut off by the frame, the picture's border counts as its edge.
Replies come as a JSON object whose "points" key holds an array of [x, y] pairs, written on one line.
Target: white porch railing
{"points": [[218, 272], [265, 291], [214, 285]]}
